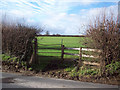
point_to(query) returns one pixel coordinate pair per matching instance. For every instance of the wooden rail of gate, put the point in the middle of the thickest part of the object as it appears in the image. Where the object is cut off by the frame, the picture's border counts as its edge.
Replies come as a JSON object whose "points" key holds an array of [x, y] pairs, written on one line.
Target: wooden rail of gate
{"points": [[81, 55]]}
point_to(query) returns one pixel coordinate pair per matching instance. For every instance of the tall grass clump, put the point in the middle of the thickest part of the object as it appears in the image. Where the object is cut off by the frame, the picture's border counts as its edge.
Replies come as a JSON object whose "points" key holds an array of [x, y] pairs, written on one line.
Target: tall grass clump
{"points": [[17, 40], [105, 35]]}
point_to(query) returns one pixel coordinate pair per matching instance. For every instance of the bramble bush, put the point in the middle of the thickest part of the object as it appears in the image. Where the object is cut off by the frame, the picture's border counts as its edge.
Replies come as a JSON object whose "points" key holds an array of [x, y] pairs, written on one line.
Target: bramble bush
{"points": [[105, 35]]}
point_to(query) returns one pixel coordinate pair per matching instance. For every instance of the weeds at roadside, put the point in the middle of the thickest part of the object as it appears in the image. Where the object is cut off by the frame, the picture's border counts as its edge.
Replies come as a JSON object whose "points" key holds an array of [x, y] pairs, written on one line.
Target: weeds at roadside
{"points": [[82, 72], [13, 61], [113, 68]]}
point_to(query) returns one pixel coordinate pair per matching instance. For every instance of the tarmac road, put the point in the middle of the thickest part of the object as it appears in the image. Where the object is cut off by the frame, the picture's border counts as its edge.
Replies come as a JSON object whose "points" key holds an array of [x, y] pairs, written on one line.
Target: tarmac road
{"points": [[10, 80]]}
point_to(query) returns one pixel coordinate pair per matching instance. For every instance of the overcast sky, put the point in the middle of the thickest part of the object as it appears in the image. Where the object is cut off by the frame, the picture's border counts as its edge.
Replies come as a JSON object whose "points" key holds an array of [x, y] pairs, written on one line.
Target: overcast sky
{"points": [[57, 16]]}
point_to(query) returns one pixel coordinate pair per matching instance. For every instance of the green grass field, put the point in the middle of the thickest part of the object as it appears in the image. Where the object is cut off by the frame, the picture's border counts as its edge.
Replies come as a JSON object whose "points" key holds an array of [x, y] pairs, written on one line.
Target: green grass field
{"points": [[72, 42], [47, 41], [50, 43]]}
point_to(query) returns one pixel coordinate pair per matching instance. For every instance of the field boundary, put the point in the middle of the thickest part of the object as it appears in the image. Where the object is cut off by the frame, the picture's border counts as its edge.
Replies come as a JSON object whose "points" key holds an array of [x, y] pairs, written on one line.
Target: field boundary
{"points": [[80, 49], [63, 35]]}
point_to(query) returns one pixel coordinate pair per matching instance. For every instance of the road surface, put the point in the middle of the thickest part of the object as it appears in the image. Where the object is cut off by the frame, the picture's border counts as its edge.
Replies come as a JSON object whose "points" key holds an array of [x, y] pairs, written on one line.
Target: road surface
{"points": [[10, 80]]}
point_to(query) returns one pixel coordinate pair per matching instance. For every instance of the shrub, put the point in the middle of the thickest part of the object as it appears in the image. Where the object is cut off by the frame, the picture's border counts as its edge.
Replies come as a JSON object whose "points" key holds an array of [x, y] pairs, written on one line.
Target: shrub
{"points": [[113, 68], [105, 35], [14, 62], [17, 40], [84, 72], [5, 57], [68, 69]]}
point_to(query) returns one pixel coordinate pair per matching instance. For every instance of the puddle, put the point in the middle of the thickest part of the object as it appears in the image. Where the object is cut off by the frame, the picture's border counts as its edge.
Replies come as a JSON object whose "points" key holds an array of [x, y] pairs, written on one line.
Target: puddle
{"points": [[8, 80]]}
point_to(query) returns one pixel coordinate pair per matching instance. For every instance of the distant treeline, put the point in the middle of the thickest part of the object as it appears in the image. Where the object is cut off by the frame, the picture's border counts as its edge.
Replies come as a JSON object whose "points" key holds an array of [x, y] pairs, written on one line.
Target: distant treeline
{"points": [[64, 35]]}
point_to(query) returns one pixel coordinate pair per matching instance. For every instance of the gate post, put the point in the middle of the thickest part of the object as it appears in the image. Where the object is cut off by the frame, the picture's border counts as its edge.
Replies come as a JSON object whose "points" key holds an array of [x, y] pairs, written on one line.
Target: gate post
{"points": [[80, 59], [35, 50], [62, 52], [33, 59]]}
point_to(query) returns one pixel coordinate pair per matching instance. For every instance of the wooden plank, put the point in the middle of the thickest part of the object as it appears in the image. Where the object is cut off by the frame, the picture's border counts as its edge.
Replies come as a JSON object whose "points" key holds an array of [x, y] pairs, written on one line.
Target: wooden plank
{"points": [[49, 44], [91, 63], [82, 55], [72, 48], [91, 56], [83, 49], [51, 48], [50, 52], [72, 54], [88, 49]]}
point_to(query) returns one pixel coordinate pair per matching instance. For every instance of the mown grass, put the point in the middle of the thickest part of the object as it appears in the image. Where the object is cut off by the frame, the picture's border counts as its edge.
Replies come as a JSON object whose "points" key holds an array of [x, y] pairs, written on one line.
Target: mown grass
{"points": [[67, 41], [71, 42]]}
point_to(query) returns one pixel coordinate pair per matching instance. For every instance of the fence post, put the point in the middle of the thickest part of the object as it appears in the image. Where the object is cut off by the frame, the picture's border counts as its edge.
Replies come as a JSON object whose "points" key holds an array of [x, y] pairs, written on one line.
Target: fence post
{"points": [[80, 59], [35, 50], [62, 52], [33, 59]]}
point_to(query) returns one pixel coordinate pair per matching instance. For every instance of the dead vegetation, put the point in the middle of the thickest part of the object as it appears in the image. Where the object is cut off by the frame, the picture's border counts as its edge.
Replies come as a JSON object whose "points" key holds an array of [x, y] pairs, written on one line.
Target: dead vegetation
{"points": [[105, 35]]}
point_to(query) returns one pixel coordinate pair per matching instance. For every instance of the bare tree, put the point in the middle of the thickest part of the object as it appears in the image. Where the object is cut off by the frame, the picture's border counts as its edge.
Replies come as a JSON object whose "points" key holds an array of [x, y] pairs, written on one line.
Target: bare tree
{"points": [[47, 33], [105, 35]]}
